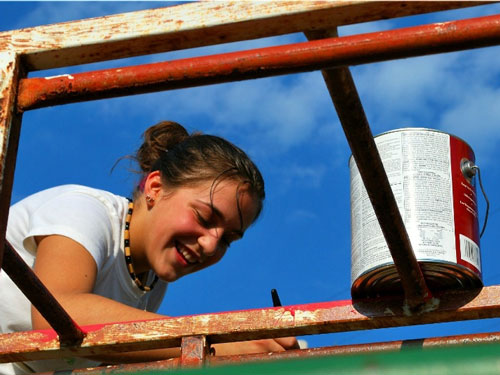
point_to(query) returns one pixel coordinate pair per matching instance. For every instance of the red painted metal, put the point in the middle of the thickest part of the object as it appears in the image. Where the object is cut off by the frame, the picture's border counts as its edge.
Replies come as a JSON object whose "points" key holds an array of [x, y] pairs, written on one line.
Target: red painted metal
{"points": [[194, 351], [298, 320], [196, 24], [447, 341], [10, 128], [191, 332], [31, 286], [175, 363], [300, 57], [352, 116]]}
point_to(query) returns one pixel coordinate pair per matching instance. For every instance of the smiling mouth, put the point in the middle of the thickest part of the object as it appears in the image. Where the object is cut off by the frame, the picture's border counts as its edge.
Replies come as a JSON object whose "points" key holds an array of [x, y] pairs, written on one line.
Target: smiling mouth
{"points": [[186, 254]]}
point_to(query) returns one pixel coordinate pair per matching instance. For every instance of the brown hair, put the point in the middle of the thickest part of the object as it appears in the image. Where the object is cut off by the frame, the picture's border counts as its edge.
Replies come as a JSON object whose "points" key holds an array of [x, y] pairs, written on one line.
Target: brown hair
{"points": [[185, 159]]}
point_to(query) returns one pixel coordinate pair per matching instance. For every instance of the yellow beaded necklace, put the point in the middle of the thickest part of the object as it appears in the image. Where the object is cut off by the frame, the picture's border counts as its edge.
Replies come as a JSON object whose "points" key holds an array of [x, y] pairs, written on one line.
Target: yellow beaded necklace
{"points": [[128, 256]]}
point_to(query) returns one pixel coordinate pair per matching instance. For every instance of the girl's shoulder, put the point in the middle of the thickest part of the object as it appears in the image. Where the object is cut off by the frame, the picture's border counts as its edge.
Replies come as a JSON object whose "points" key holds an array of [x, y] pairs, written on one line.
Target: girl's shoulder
{"points": [[92, 217], [72, 195]]}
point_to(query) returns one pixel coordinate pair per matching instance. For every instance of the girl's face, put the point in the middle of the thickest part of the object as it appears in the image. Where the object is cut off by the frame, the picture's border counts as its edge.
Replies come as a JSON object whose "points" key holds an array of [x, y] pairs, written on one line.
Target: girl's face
{"points": [[187, 230]]}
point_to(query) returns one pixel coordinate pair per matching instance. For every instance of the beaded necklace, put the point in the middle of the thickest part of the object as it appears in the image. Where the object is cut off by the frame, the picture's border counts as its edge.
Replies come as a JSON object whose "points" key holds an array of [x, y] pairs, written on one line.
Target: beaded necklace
{"points": [[128, 256]]}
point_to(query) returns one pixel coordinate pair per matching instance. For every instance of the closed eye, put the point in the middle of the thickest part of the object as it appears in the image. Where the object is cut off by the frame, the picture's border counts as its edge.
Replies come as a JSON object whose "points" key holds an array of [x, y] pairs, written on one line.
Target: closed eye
{"points": [[208, 222], [202, 220]]}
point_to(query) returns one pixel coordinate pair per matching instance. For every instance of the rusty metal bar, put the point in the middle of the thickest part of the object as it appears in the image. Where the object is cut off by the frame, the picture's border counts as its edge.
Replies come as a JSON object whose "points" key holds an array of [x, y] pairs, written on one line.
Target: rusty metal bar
{"points": [[26, 280], [194, 25], [10, 127], [390, 346], [352, 116], [194, 351], [300, 57], [400, 345], [297, 320]]}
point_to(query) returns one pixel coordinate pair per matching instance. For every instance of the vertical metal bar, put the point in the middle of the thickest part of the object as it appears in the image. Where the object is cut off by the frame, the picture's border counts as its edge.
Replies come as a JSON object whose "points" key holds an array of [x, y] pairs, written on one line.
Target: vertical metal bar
{"points": [[359, 136], [194, 351], [10, 261], [26, 280], [10, 124]]}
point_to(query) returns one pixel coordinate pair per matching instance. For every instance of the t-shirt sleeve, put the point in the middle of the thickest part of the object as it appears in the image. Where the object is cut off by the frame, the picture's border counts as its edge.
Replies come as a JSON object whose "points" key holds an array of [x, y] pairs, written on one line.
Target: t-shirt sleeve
{"points": [[79, 216]]}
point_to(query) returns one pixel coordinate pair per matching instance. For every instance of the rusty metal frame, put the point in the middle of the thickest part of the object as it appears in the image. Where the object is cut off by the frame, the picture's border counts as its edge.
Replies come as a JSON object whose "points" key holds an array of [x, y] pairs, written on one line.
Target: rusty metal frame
{"points": [[389, 346], [10, 127], [316, 318], [262, 62], [194, 25], [21, 274], [200, 24]]}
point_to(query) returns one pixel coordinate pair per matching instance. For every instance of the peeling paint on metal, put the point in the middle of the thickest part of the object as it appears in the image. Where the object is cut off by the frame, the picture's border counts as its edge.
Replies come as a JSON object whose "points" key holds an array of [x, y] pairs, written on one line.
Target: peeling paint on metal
{"points": [[263, 62], [194, 25], [255, 324], [68, 76], [305, 319], [7, 66]]}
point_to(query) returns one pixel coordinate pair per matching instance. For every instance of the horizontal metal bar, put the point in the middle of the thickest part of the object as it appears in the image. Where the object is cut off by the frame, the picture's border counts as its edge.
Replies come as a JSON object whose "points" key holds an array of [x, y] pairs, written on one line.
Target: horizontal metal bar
{"points": [[31, 286], [265, 62], [297, 320], [194, 25], [352, 116], [390, 346], [456, 360]]}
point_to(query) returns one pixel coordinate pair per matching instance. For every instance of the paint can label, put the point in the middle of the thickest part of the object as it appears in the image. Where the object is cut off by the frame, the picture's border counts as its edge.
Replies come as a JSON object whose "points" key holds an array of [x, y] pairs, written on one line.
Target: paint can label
{"points": [[436, 202]]}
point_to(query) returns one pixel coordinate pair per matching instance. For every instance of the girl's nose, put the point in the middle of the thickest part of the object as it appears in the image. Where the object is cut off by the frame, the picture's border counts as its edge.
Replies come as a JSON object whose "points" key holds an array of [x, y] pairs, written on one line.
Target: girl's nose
{"points": [[209, 242]]}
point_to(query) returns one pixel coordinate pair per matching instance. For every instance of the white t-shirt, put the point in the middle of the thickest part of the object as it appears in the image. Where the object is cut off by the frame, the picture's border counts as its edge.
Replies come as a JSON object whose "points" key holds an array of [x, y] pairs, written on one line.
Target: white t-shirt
{"points": [[95, 219]]}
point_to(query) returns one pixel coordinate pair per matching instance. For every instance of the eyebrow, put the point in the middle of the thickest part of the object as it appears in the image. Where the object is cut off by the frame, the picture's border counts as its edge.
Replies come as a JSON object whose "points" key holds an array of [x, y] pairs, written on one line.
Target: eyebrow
{"points": [[218, 213]]}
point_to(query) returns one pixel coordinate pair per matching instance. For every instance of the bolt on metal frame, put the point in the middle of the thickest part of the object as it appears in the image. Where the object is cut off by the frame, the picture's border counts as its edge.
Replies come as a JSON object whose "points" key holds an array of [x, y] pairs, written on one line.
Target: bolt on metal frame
{"points": [[197, 24]]}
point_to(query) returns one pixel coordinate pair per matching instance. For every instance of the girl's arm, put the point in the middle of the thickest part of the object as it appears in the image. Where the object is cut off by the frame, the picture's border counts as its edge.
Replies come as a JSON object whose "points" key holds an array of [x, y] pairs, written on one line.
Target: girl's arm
{"points": [[69, 272]]}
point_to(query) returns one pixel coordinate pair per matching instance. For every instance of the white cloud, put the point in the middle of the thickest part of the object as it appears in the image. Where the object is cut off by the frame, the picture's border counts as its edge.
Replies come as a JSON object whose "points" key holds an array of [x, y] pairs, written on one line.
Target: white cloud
{"points": [[476, 119], [299, 216], [276, 115], [271, 115], [456, 92], [305, 175]]}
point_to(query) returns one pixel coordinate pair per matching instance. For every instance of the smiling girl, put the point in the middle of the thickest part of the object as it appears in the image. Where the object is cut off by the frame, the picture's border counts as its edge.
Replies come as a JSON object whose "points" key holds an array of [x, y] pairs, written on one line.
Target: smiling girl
{"points": [[109, 259]]}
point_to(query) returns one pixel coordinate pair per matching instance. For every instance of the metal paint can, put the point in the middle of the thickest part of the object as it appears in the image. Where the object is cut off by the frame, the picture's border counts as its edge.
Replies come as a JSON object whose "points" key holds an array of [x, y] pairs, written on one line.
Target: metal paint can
{"points": [[438, 204]]}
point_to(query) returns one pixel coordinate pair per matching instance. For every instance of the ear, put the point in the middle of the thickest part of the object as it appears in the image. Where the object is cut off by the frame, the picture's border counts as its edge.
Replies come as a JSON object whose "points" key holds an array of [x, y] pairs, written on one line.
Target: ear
{"points": [[153, 185]]}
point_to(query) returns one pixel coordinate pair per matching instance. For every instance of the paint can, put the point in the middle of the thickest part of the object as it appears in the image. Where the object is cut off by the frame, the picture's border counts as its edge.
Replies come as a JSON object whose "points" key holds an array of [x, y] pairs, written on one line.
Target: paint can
{"points": [[427, 170]]}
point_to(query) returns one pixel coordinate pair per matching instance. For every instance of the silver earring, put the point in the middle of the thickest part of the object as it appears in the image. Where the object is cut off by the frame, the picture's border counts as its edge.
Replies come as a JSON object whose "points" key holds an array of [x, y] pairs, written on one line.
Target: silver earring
{"points": [[149, 199]]}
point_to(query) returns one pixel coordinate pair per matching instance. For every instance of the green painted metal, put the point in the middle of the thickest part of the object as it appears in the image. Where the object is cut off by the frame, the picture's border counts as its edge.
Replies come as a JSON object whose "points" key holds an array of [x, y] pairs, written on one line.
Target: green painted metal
{"points": [[470, 359]]}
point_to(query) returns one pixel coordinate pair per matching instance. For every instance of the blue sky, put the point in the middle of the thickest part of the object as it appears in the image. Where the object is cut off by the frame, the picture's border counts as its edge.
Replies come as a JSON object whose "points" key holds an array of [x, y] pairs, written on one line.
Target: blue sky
{"points": [[301, 244]]}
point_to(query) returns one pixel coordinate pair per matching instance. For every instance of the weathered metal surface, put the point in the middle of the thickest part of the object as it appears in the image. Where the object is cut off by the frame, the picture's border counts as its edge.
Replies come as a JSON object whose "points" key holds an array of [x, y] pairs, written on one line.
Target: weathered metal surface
{"points": [[10, 124], [195, 24], [300, 57], [447, 341], [357, 130], [298, 320], [194, 351], [31, 286], [391, 346], [456, 360]]}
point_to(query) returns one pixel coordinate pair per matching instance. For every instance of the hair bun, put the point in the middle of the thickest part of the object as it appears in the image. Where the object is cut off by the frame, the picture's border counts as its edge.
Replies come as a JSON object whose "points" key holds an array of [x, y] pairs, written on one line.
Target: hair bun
{"points": [[157, 139]]}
